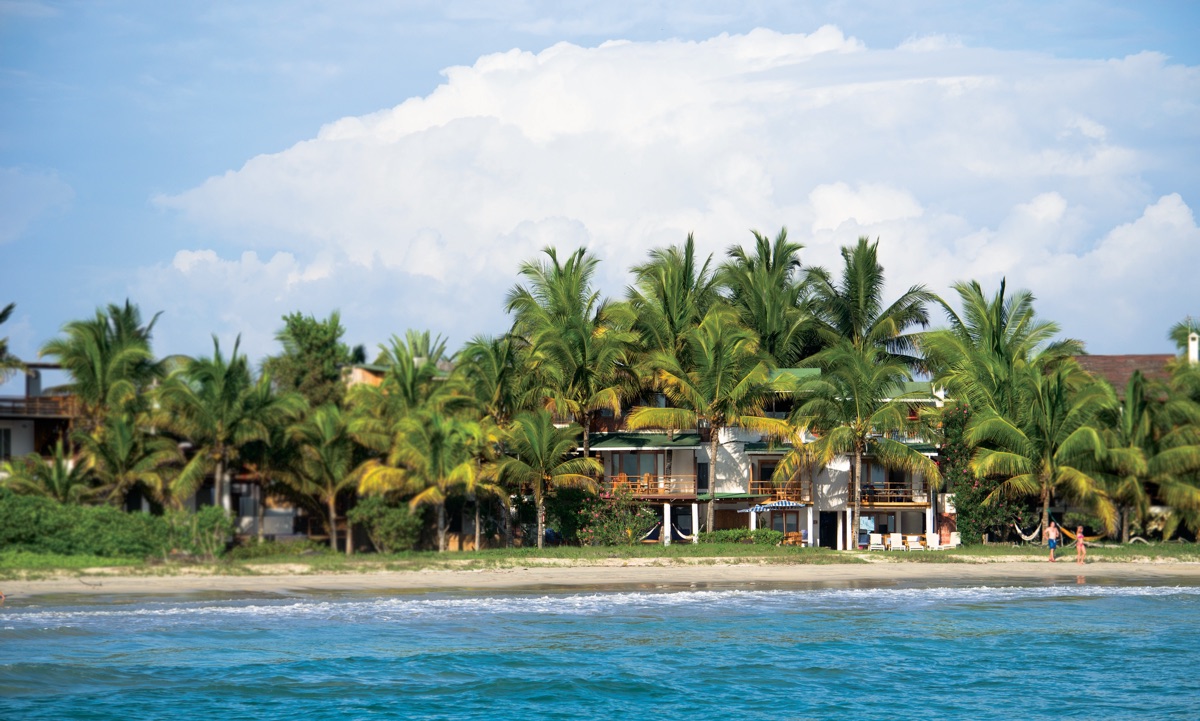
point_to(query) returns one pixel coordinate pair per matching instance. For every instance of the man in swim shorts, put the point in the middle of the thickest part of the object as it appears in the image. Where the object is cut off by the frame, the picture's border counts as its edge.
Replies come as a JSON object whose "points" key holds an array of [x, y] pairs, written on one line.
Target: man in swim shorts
{"points": [[1052, 537]]}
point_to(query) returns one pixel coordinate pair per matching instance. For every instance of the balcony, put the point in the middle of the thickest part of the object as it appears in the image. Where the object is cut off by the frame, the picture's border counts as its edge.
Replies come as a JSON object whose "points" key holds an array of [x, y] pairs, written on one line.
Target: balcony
{"points": [[798, 491], [896, 495], [40, 407], [651, 486]]}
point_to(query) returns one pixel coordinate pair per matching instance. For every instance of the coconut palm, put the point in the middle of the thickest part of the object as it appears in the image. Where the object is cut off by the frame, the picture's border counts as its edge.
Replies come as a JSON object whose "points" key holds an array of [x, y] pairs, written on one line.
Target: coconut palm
{"points": [[721, 381], [853, 309], [539, 456], [494, 371], [768, 290], [122, 455], [434, 456], [671, 293], [109, 360], [9, 363], [327, 465], [580, 346], [979, 356], [59, 477], [851, 408], [218, 407], [1052, 446]]}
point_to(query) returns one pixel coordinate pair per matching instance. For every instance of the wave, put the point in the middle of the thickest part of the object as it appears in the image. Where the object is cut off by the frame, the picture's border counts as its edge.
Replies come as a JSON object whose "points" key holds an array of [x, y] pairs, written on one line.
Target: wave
{"points": [[443, 608]]}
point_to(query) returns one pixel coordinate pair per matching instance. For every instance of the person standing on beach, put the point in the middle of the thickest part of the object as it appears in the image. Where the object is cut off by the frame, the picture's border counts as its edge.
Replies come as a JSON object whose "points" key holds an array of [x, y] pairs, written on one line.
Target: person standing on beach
{"points": [[1052, 537], [1080, 549]]}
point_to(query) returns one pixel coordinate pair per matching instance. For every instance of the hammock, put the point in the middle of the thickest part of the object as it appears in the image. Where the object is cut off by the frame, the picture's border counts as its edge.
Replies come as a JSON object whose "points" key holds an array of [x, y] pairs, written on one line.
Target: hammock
{"points": [[679, 535], [651, 535], [1089, 539], [1032, 536]]}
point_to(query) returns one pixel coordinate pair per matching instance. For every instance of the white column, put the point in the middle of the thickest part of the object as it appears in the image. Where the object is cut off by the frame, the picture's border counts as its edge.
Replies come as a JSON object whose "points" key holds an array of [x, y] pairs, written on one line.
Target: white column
{"points": [[695, 523], [852, 537], [929, 518], [841, 542], [811, 541], [666, 524], [753, 520]]}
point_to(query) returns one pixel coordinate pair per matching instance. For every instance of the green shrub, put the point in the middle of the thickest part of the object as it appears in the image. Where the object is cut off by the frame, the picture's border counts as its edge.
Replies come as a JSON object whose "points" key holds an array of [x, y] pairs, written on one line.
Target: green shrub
{"points": [[390, 528], [759, 536], [617, 520], [41, 525], [275, 549]]}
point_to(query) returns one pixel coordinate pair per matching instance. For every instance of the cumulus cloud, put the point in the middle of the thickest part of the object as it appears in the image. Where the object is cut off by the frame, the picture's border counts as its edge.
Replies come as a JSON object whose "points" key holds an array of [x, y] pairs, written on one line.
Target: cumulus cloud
{"points": [[966, 162]]}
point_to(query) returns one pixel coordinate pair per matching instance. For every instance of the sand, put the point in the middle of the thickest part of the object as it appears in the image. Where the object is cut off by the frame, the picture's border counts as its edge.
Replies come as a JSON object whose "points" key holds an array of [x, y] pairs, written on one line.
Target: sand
{"points": [[640, 574]]}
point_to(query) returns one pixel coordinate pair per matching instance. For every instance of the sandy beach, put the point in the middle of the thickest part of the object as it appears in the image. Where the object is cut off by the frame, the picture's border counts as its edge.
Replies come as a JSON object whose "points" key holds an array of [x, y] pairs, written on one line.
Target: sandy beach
{"points": [[631, 574]]}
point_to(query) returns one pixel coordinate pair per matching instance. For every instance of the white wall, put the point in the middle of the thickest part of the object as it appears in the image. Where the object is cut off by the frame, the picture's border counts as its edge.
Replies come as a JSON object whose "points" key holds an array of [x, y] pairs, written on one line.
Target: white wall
{"points": [[22, 436], [831, 485], [732, 467], [683, 462]]}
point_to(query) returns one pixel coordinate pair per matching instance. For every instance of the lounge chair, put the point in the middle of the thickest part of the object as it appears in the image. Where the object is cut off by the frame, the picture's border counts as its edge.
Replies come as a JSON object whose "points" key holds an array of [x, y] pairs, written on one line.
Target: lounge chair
{"points": [[933, 542], [896, 542], [876, 543], [914, 543]]}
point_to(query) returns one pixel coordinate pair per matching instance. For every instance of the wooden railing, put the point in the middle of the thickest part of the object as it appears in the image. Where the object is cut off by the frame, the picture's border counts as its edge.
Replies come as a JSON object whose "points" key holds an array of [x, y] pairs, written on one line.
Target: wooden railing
{"points": [[799, 491], [872, 496], [40, 406], [651, 486]]}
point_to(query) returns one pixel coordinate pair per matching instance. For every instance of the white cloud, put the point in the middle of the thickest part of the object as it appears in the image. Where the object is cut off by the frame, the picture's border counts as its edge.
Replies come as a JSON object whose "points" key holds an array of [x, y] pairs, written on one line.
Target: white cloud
{"points": [[965, 162]]}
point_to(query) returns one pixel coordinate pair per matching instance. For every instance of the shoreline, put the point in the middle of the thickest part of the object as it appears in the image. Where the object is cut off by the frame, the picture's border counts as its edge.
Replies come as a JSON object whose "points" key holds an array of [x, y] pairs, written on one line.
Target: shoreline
{"points": [[628, 576]]}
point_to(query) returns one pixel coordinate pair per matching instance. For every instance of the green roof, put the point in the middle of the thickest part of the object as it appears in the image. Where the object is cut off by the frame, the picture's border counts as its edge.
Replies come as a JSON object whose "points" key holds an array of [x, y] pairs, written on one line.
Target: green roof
{"points": [[795, 375], [765, 447], [638, 441], [728, 496]]}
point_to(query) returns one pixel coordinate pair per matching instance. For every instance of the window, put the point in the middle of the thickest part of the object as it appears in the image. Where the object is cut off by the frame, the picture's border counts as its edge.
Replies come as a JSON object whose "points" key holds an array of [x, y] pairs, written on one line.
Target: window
{"points": [[766, 469]]}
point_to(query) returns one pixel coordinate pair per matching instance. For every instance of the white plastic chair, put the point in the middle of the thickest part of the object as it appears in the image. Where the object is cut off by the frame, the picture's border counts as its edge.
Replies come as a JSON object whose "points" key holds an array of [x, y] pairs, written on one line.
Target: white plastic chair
{"points": [[876, 543], [896, 542]]}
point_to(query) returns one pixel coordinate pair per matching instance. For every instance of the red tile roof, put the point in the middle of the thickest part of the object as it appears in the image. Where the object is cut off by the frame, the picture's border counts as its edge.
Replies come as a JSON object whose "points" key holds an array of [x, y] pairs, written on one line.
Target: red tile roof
{"points": [[1117, 369]]}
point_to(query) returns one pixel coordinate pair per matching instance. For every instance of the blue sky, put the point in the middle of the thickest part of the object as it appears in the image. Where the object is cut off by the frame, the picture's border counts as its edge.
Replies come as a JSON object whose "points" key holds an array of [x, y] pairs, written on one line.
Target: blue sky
{"points": [[229, 162]]}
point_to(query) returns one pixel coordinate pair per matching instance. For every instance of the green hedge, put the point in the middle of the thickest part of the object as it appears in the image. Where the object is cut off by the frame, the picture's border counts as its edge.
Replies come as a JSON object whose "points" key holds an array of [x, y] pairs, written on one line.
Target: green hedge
{"points": [[759, 536], [390, 528], [42, 525]]}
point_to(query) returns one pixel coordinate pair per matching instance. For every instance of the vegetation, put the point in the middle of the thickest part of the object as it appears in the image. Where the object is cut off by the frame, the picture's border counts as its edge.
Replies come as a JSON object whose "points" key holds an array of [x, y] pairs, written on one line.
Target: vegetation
{"points": [[502, 428]]}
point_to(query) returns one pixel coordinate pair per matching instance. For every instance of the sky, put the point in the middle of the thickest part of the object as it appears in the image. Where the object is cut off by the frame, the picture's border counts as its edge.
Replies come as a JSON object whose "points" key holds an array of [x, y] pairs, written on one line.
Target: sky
{"points": [[227, 163]]}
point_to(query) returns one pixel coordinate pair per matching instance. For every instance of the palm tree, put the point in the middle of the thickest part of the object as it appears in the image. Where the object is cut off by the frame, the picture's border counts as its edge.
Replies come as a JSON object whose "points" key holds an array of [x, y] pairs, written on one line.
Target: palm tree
{"points": [[109, 360], [326, 466], [980, 355], [9, 363], [579, 345], [854, 310], [851, 407], [495, 372], [721, 381], [217, 406], [58, 478], [539, 457], [1052, 446], [671, 294], [122, 455], [434, 456], [769, 293]]}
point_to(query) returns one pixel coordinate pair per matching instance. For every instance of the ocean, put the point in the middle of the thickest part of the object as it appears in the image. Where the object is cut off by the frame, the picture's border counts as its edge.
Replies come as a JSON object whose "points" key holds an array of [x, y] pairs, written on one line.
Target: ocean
{"points": [[1065, 651]]}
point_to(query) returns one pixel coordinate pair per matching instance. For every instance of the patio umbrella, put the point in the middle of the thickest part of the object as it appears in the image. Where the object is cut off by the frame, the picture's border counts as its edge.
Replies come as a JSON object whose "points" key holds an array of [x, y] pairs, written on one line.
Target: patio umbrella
{"points": [[755, 509], [774, 505]]}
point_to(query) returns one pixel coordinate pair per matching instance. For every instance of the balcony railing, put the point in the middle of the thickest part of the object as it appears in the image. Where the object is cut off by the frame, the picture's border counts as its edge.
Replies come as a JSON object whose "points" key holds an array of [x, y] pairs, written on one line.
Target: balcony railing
{"points": [[873, 496], [800, 491], [651, 486], [40, 406]]}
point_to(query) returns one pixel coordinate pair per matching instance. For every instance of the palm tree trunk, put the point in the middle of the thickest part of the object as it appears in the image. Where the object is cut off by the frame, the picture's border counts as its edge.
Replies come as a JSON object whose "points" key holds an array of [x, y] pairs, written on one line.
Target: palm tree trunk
{"points": [[1125, 512], [1045, 510], [541, 520], [586, 422], [333, 521], [441, 526], [854, 522], [714, 445], [349, 536], [220, 489], [506, 520], [475, 500]]}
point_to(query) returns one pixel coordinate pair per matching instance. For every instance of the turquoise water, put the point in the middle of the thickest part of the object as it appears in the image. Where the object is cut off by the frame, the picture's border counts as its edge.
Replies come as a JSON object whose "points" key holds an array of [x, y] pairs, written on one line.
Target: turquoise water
{"points": [[1067, 651]]}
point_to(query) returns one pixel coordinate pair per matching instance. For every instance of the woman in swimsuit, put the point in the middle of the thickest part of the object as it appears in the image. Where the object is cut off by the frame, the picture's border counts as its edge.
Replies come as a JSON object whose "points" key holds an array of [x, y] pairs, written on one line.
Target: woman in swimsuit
{"points": [[1080, 549]]}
